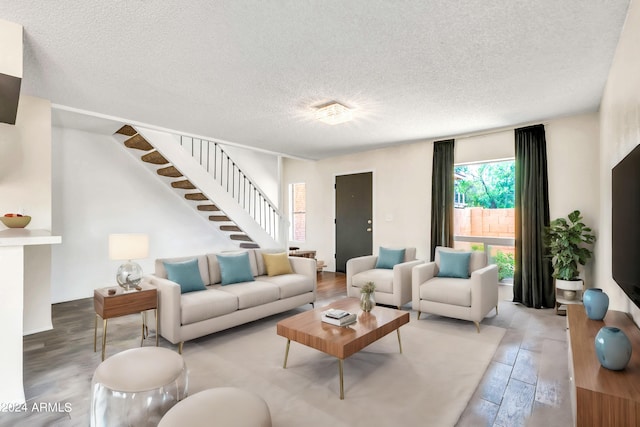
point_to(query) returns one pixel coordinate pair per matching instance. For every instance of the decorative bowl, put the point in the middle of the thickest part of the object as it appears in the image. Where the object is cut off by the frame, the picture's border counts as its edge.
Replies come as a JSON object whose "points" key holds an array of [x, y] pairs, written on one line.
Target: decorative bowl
{"points": [[15, 221], [570, 295]]}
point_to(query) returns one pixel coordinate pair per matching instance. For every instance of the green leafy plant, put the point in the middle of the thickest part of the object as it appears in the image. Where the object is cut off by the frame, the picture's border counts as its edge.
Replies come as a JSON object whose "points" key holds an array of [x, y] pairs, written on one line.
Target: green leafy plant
{"points": [[567, 242], [368, 288], [505, 262]]}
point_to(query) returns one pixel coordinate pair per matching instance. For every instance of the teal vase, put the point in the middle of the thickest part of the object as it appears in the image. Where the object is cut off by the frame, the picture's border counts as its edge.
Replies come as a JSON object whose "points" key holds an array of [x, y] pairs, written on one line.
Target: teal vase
{"points": [[613, 348], [596, 303]]}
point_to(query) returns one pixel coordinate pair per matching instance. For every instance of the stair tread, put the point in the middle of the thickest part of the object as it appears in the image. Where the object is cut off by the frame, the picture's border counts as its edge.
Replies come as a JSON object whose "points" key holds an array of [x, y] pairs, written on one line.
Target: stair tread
{"points": [[249, 245], [242, 237], [169, 171], [184, 184], [230, 228], [155, 158], [127, 130], [195, 196], [139, 143], [219, 218], [209, 208]]}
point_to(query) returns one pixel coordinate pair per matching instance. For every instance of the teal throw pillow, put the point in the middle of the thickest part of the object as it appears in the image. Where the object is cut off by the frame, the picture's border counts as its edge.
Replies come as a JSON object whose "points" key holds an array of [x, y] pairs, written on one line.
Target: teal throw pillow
{"points": [[454, 264], [186, 274], [387, 258], [235, 268]]}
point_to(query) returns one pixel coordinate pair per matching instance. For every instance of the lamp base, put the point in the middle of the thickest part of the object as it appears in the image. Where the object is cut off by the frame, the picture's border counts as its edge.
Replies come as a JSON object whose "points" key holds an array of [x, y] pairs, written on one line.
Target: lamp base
{"points": [[129, 275]]}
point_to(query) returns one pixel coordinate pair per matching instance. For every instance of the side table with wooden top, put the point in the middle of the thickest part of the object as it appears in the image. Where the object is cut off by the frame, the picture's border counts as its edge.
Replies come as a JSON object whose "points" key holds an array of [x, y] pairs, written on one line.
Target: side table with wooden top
{"points": [[115, 302]]}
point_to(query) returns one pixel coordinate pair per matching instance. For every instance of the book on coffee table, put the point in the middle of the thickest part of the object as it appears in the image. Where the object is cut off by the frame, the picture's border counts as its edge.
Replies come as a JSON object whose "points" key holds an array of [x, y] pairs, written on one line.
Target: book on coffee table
{"points": [[343, 320]]}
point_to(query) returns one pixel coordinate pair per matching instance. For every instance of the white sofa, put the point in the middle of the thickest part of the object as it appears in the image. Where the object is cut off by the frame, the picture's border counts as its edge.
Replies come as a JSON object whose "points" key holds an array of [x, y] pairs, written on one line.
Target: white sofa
{"points": [[393, 286], [467, 299], [191, 315]]}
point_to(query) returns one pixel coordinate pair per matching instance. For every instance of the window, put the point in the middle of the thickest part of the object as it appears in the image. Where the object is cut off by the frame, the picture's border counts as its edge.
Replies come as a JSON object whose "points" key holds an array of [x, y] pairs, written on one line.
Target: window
{"points": [[298, 211], [484, 217]]}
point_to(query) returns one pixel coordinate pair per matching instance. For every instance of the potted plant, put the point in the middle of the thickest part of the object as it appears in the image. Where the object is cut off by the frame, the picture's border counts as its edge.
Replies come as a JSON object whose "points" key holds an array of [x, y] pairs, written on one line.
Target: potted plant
{"points": [[366, 297], [568, 241]]}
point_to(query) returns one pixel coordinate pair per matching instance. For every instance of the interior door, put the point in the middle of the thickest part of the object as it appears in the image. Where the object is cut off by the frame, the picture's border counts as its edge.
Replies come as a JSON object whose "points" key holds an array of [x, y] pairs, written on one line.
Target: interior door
{"points": [[354, 226]]}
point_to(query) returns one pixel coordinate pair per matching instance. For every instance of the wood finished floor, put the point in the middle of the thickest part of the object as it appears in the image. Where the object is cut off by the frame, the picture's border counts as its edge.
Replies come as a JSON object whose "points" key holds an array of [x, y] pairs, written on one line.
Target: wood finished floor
{"points": [[526, 384]]}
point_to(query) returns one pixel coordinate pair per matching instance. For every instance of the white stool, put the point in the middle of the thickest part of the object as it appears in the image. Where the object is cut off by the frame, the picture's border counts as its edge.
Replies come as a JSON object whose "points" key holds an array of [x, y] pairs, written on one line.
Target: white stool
{"points": [[222, 407], [137, 387]]}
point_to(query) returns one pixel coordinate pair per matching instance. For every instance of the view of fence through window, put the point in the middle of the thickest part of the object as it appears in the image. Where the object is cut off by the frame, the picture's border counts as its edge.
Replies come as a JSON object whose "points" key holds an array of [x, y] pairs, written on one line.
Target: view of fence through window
{"points": [[298, 206], [484, 212]]}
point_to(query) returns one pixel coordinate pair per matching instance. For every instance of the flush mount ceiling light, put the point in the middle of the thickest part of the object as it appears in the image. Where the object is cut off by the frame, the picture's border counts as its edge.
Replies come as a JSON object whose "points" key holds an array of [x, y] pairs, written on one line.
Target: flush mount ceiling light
{"points": [[333, 113]]}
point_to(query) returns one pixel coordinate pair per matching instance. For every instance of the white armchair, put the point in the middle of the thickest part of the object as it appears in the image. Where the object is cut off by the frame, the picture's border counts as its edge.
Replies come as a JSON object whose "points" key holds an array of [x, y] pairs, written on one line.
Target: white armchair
{"points": [[466, 299], [393, 286]]}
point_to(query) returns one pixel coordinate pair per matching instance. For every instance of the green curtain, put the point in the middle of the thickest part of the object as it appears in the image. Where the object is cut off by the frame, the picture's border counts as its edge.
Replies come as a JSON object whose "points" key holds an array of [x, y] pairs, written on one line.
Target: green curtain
{"points": [[532, 281], [442, 195]]}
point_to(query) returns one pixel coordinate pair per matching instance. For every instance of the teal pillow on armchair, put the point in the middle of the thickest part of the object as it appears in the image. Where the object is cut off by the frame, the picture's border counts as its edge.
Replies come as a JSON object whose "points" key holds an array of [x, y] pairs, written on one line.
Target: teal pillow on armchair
{"points": [[387, 258], [454, 264]]}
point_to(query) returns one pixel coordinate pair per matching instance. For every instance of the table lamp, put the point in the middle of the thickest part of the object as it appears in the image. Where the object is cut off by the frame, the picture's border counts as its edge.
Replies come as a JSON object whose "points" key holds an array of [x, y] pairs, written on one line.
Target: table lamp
{"points": [[128, 247]]}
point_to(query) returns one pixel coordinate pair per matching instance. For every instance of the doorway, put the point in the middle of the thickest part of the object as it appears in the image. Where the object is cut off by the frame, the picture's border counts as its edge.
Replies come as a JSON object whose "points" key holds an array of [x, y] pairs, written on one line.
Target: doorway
{"points": [[354, 225]]}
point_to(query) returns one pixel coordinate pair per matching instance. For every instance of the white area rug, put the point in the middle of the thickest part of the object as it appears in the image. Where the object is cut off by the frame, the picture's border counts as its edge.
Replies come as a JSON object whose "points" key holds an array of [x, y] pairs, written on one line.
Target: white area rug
{"points": [[429, 384]]}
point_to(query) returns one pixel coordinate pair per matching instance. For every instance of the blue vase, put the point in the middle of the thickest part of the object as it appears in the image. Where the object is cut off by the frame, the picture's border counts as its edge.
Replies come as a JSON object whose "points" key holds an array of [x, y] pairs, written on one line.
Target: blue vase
{"points": [[613, 348], [595, 303]]}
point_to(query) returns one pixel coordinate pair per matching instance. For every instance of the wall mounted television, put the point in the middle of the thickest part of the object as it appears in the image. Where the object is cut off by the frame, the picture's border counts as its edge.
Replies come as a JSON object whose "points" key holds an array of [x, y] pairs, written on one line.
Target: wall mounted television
{"points": [[625, 218]]}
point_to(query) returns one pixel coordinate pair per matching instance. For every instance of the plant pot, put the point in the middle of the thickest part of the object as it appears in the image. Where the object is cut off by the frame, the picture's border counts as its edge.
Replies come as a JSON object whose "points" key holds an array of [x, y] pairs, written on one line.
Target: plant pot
{"points": [[367, 302], [613, 348], [596, 303]]}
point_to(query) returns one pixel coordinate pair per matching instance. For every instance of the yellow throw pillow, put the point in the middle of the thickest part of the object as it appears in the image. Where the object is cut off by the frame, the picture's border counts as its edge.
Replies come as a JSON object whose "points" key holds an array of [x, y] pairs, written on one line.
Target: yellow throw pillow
{"points": [[277, 264]]}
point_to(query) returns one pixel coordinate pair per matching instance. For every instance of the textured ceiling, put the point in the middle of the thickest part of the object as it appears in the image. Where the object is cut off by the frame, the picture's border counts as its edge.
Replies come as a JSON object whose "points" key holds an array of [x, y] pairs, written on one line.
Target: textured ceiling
{"points": [[249, 72]]}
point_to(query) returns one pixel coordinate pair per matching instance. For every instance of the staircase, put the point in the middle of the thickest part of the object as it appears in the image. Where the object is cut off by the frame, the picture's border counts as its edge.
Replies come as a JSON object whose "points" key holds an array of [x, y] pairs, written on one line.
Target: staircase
{"points": [[201, 172]]}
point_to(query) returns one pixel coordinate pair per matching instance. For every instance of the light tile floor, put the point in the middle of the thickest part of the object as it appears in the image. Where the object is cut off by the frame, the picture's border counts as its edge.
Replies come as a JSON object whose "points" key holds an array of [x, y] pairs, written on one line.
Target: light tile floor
{"points": [[527, 382]]}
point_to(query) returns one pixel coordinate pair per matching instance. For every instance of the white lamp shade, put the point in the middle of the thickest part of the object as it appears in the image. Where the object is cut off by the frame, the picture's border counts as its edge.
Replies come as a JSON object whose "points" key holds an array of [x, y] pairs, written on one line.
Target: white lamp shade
{"points": [[128, 246]]}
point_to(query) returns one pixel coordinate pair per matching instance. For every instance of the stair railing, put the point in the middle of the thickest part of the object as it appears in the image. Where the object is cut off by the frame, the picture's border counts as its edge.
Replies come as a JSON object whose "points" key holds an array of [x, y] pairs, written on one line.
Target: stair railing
{"points": [[229, 176]]}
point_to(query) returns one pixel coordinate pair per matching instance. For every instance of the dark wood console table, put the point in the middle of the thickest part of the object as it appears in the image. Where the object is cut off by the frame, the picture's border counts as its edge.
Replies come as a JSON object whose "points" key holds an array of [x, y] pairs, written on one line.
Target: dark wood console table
{"points": [[602, 397]]}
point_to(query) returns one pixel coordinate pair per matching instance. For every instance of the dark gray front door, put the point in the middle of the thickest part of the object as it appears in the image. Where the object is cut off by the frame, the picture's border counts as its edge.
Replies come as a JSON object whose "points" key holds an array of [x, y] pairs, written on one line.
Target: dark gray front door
{"points": [[354, 227]]}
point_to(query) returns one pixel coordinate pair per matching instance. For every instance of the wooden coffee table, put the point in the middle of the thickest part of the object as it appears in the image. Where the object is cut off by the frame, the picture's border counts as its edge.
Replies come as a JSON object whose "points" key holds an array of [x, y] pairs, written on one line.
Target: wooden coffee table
{"points": [[341, 342]]}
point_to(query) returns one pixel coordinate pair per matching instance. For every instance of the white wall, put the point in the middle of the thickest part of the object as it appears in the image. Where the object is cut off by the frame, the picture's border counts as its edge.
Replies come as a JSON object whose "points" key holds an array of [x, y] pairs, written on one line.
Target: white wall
{"points": [[100, 188], [25, 187], [619, 134], [11, 52], [572, 162], [261, 168], [402, 182]]}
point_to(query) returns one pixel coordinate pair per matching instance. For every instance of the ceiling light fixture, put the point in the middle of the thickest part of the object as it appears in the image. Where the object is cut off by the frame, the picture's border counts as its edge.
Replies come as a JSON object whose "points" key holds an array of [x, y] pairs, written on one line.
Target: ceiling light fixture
{"points": [[333, 113]]}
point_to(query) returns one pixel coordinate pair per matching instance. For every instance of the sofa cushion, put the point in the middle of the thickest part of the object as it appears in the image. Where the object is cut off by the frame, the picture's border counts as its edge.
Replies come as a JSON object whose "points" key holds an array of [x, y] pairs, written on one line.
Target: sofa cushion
{"points": [[202, 266], [186, 274], [197, 306], [381, 277], [235, 268], [447, 290], [290, 284], [251, 294], [261, 267], [214, 266], [454, 264], [387, 258], [277, 264]]}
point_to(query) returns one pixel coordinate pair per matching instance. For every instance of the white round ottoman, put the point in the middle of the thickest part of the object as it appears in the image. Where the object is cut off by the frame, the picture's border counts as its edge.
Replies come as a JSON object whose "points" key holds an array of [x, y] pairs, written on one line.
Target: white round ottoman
{"points": [[137, 387], [222, 407]]}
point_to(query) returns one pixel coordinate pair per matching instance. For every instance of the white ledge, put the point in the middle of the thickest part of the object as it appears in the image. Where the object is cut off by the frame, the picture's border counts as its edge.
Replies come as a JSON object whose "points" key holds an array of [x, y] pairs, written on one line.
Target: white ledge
{"points": [[25, 237]]}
